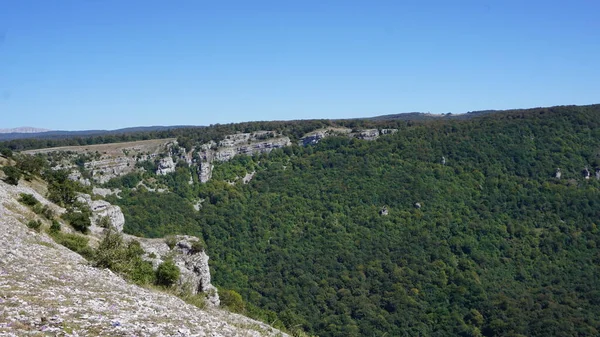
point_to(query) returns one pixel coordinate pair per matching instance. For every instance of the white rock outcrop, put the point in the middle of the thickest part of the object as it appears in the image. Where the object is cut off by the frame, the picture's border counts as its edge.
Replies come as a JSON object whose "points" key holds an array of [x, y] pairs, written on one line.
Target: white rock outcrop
{"points": [[237, 144], [101, 209], [191, 260], [165, 166]]}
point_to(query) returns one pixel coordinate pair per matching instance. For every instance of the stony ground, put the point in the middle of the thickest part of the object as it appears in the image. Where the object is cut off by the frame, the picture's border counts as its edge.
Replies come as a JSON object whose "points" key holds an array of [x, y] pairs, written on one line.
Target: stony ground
{"points": [[47, 290]]}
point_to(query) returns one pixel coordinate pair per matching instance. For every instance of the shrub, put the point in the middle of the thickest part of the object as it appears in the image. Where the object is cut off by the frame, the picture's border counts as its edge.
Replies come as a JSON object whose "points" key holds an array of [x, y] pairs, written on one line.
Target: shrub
{"points": [[28, 199], [75, 242], [232, 300], [104, 222], [47, 212], [171, 241], [126, 259], [167, 273], [197, 246], [80, 221], [6, 152], [55, 227], [12, 175], [33, 224]]}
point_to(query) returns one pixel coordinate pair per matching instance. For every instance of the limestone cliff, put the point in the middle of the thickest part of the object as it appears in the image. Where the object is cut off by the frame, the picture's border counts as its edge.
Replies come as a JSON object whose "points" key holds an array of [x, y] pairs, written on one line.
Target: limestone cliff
{"points": [[237, 144]]}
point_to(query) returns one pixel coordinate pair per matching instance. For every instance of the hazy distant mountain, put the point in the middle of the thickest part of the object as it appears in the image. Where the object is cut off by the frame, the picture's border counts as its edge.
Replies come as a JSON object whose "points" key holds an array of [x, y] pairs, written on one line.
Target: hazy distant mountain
{"points": [[24, 129], [49, 134]]}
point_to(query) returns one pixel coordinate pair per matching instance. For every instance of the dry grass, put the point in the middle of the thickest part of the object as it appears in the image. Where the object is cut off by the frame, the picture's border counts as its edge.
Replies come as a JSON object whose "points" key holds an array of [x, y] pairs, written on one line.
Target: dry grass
{"points": [[113, 149]]}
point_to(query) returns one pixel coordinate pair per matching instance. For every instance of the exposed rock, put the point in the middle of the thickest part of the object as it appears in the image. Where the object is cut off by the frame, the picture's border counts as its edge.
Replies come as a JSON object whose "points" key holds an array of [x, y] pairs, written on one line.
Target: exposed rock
{"points": [[443, 160], [165, 166], [383, 211], [192, 262], [417, 205], [75, 175], [557, 174], [388, 131], [237, 144], [101, 209], [248, 177], [106, 191], [205, 171], [586, 173], [112, 160], [370, 134]]}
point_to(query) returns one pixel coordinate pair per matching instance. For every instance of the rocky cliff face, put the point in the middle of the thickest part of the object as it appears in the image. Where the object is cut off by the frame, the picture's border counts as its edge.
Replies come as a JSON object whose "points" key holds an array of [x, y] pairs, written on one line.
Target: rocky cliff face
{"points": [[192, 262], [369, 134], [103, 209], [46, 289], [107, 161], [236, 144], [165, 166]]}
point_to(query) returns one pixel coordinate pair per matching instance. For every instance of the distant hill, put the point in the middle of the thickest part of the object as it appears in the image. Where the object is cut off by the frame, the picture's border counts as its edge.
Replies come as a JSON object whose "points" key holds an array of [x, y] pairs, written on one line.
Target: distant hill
{"points": [[23, 133], [422, 116], [24, 129]]}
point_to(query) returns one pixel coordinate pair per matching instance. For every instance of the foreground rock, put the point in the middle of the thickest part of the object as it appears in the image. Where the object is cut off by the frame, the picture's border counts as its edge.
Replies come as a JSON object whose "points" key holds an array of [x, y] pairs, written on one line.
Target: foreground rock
{"points": [[45, 289]]}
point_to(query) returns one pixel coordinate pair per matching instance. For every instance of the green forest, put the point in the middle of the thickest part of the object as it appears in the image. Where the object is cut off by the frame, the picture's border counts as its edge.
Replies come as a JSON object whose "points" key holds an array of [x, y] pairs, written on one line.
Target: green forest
{"points": [[449, 227]]}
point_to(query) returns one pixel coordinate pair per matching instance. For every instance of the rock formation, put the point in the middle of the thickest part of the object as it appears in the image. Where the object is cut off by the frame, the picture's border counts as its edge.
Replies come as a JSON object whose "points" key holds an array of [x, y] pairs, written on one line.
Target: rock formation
{"points": [[557, 174], [165, 166], [101, 209], [237, 144], [191, 260], [586, 173], [383, 211]]}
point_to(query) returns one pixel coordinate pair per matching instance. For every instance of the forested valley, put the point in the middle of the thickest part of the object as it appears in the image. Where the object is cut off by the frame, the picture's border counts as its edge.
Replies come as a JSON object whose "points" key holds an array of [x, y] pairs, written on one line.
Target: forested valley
{"points": [[446, 227]]}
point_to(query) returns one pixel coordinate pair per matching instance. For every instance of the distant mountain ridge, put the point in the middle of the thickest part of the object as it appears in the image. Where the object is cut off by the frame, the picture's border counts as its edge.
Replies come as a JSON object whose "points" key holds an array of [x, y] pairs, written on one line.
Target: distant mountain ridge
{"points": [[24, 129], [17, 133]]}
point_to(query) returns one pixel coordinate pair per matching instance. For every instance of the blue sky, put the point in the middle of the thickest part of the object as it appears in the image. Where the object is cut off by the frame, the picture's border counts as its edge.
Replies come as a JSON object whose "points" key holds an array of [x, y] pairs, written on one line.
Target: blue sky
{"points": [[107, 64]]}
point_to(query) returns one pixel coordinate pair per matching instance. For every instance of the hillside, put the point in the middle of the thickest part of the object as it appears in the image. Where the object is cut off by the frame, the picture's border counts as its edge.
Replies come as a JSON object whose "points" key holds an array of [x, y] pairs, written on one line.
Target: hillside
{"points": [[478, 226], [47, 289]]}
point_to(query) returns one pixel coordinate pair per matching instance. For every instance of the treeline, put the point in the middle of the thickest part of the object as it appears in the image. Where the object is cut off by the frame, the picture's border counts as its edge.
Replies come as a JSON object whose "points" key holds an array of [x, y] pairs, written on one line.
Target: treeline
{"points": [[190, 137]]}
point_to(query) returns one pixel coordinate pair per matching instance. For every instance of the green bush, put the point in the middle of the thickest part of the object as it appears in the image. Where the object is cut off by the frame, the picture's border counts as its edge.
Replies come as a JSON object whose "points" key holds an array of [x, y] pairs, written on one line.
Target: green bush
{"points": [[171, 241], [6, 152], [231, 300], [79, 221], [55, 227], [75, 242], [197, 246], [167, 274], [34, 224], [47, 212], [28, 199], [13, 175], [104, 222], [125, 259]]}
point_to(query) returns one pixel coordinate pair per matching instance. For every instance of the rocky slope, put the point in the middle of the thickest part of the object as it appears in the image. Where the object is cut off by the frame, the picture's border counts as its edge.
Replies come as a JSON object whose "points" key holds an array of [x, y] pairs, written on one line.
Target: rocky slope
{"points": [[46, 289]]}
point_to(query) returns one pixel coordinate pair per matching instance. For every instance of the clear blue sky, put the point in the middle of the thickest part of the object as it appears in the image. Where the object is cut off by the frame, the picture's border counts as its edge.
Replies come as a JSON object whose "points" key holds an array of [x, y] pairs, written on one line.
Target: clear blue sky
{"points": [[106, 64]]}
